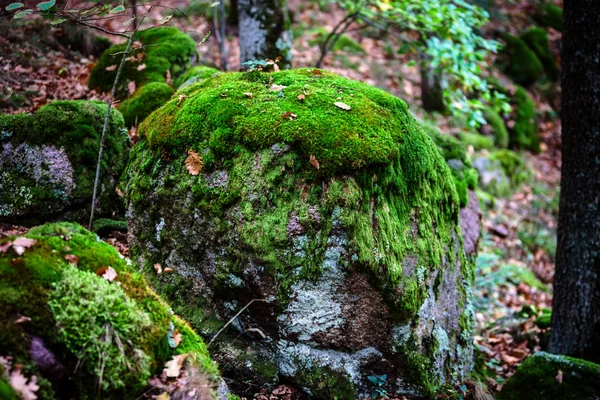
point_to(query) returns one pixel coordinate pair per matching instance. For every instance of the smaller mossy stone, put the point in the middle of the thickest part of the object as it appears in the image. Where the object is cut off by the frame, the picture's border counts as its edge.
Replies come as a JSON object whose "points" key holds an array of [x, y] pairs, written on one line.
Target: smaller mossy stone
{"points": [[145, 100], [537, 40], [551, 15], [479, 142], [513, 164], [105, 331], [105, 225], [164, 49], [48, 162], [524, 134], [194, 74], [497, 127], [544, 321], [536, 379], [521, 63]]}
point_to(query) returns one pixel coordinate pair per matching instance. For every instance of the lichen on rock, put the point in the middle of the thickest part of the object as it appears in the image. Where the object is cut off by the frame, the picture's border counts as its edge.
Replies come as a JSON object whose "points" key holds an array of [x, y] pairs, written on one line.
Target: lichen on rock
{"points": [[78, 316], [339, 224], [48, 162]]}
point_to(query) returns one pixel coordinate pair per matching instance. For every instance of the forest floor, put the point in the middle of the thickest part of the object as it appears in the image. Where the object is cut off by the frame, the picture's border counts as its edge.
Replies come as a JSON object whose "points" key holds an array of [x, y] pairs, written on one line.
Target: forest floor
{"points": [[515, 265]]}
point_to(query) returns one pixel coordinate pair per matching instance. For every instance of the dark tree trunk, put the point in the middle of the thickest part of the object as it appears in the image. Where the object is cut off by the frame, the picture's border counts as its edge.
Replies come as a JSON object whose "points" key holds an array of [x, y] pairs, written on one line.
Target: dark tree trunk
{"points": [[232, 16], [265, 31], [576, 304], [432, 91]]}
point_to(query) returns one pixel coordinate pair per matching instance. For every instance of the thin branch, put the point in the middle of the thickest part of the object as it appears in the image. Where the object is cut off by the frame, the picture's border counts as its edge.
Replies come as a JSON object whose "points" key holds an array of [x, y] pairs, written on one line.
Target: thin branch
{"points": [[232, 319], [80, 21], [325, 47]]}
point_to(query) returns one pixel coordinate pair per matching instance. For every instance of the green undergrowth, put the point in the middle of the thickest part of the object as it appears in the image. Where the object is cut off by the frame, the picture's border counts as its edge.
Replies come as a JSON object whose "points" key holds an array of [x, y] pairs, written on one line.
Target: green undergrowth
{"points": [[74, 127], [195, 74], [497, 127], [105, 225], [536, 379], [343, 44], [105, 333], [521, 63], [479, 142], [145, 100], [537, 40], [164, 50], [551, 15], [525, 132]]}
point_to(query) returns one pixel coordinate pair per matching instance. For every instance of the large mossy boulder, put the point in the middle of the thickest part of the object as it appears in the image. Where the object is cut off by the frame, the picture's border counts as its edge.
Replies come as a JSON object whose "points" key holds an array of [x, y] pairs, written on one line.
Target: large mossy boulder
{"points": [[157, 52], [546, 376], [317, 210], [84, 322], [48, 162]]}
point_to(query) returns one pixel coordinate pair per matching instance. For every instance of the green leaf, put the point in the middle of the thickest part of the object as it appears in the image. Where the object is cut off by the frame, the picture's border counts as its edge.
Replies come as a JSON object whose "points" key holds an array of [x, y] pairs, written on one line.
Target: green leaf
{"points": [[46, 5], [22, 14], [58, 21], [216, 3], [14, 6], [165, 19], [411, 63], [404, 48], [117, 9], [129, 21]]}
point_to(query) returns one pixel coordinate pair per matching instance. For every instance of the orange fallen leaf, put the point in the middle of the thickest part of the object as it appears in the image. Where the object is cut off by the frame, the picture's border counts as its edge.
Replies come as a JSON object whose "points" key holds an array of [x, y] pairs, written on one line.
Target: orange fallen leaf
{"points": [[289, 115], [111, 67], [173, 367], [168, 269], [193, 163], [314, 162], [110, 274], [131, 88], [301, 97], [249, 95], [158, 269], [177, 337], [72, 259], [22, 243]]}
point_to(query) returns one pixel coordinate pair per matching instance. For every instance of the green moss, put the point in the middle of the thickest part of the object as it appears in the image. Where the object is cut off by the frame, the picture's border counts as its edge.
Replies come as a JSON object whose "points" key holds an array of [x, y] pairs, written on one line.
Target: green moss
{"points": [[165, 49], [544, 321], [513, 165], [536, 379], [497, 126], [325, 383], [479, 142], [522, 64], [551, 15], [74, 127], [145, 100], [344, 43], [195, 74], [105, 225], [110, 330], [524, 134], [537, 40]]}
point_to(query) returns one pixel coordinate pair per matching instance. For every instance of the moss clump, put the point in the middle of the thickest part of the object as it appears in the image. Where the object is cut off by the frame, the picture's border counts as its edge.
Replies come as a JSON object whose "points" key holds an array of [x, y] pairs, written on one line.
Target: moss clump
{"points": [[524, 134], [195, 74], [537, 40], [49, 161], [324, 383], [344, 43], [104, 225], [165, 49], [521, 64], [145, 100], [479, 142], [513, 165], [107, 332], [551, 15], [497, 127], [536, 379], [544, 320]]}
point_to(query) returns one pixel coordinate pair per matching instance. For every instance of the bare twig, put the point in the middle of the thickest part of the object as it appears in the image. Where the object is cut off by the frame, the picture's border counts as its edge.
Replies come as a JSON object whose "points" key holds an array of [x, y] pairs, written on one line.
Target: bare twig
{"points": [[232, 319], [329, 42]]}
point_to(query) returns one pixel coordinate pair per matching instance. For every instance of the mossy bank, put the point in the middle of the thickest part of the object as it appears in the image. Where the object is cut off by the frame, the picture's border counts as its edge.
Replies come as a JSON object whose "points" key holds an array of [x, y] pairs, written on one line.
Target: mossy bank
{"points": [[48, 162], [79, 318], [321, 203]]}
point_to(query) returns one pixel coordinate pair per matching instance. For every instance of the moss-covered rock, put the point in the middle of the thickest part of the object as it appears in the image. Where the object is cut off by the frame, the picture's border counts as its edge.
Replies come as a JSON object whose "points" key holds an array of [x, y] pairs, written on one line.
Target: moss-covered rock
{"points": [[537, 379], [79, 317], [524, 134], [537, 40], [145, 100], [340, 221], [520, 62], [551, 15], [195, 74], [479, 142], [104, 225], [496, 127], [48, 162], [501, 171], [164, 49]]}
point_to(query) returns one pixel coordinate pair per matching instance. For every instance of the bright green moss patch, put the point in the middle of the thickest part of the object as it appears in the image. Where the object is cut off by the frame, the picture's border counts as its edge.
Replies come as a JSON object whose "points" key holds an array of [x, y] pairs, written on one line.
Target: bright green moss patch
{"points": [[109, 328], [497, 127], [194, 75], [165, 49], [536, 379], [48, 162], [521, 63], [524, 134], [145, 100], [537, 40], [551, 15]]}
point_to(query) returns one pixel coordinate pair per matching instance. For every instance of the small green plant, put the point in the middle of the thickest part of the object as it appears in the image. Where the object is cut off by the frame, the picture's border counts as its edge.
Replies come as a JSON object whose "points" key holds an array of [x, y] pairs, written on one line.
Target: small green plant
{"points": [[379, 381]]}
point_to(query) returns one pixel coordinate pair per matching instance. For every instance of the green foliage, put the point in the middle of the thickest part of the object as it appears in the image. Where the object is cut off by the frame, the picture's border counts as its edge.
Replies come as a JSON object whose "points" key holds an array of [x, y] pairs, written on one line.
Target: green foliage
{"points": [[536, 379], [343, 44], [497, 126], [551, 15], [194, 74], [524, 134], [479, 142], [537, 40], [521, 63], [163, 49], [145, 100]]}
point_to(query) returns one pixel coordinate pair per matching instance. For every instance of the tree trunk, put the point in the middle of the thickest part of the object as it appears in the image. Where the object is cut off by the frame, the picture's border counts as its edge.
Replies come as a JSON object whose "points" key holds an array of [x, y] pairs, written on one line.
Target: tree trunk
{"points": [[232, 16], [432, 91], [265, 31], [576, 304]]}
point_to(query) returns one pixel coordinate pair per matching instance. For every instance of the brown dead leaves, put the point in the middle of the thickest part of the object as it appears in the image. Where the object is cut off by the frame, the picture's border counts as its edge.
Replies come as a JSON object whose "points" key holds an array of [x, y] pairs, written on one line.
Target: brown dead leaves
{"points": [[19, 245], [314, 162], [193, 163]]}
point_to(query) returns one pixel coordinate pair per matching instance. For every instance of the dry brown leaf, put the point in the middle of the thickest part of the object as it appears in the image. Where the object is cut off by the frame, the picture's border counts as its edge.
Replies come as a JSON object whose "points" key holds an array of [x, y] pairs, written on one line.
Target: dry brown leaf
{"points": [[173, 367], [131, 88], [341, 105], [137, 44], [22, 243], [72, 259], [314, 162], [249, 95], [289, 115], [559, 376], [22, 319], [5, 246], [180, 98], [119, 192], [141, 67], [110, 274], [276, 88], [163, 396], [158, 269], [317, 72], [301, 97], [111, 67], [168, 269], [193, 163], [177, 337], [25, 389], [168, 78]]}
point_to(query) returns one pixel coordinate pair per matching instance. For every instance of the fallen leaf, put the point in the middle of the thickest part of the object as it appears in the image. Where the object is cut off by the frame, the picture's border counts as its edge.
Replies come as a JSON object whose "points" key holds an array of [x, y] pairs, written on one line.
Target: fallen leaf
{"points": [[249, 95], [22, 319], [22, 243], [341, 105], [301, 97], [158, 269], [21, 386], [314, 162], [119, 191], [168, 269], [173, 367], [168, 78], [110, 274], [177, 337], [141, 67], [559, 376], [72, 259], [193, 163], [289, 115], [163, 396], [137, 44], [180, 98], [131, 88], [317, 72], [5, 246], [111, 67], [276, 88]]}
